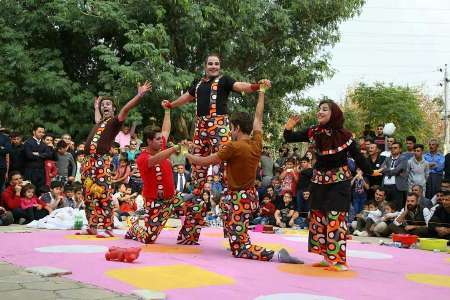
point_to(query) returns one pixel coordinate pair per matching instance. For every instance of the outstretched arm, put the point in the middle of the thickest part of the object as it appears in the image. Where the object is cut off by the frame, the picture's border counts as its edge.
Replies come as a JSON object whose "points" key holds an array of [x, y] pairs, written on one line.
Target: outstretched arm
{"points": [[182, 100], [160, 156], [142, 90], [259, 113], [165, 130], [213, 159], [248, 88]]}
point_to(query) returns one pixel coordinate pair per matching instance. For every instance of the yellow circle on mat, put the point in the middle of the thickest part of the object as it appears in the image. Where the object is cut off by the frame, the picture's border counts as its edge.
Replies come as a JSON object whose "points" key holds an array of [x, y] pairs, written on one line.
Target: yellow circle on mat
{"points": [[178, 249], [163, 278], [431, 279], [89, 238], [269, 246], [308, 270]]}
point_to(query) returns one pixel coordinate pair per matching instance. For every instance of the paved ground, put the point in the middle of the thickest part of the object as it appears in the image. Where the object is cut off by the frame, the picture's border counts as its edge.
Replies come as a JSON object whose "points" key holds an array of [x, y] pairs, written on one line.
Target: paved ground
{"points": [[16, 283]]}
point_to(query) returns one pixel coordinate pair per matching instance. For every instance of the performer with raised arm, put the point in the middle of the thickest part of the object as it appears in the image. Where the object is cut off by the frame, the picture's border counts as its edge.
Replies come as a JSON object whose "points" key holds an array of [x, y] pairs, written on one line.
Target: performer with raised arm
{"points": [[212, 123], [96, 170], [242, 156], [161, 199], [330, 190]]}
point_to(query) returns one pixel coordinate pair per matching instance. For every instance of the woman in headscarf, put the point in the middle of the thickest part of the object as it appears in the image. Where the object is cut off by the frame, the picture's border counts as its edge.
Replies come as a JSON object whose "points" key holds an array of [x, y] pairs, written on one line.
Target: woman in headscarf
{"points": [[330, 185]]}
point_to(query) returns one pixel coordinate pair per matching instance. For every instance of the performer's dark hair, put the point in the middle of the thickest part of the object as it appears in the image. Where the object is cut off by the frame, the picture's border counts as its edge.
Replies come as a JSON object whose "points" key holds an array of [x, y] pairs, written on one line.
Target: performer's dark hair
{"points": [[212, 54], [244, 121], [150, 132]]}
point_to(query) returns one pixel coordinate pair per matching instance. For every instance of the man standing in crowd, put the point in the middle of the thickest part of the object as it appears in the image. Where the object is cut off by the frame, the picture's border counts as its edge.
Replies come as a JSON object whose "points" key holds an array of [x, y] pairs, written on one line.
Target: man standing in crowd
{"points": [[436, 162], [379, 138], [387, 152], [375, 161], [181, 177], [395, 180], [267, 166], [35, 153], [5, 150], [16, 157], [97, 167], [418, 168], [410, 147]]}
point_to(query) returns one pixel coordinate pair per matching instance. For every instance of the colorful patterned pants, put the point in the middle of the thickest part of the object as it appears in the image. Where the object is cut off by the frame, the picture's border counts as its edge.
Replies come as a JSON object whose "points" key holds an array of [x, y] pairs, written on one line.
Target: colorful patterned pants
{"points": [[96, 177], [210, 133], [237, 209], [157, 213], [327, 235]]}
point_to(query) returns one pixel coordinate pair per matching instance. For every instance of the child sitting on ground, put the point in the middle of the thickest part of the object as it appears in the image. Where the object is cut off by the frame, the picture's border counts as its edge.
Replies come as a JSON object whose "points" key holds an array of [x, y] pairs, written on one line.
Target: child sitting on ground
{"points": [[365, 226], [390, 214], [34, 208], [266, 212]]}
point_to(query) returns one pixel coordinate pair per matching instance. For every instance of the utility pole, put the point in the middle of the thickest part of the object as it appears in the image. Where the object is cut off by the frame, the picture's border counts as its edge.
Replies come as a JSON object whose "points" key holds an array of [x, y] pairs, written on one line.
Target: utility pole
{"points": [[446, 111]]}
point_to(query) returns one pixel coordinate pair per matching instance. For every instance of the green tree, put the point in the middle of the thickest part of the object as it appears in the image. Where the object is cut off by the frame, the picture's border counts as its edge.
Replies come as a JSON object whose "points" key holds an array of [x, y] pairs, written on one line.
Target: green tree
{"points": [[383, 103], [55, 56]]}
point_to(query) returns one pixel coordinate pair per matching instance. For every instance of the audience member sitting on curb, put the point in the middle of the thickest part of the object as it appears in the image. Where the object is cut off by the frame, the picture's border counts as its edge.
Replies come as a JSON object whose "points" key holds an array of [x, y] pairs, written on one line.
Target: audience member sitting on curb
{"points": [[34, 208], [389, 215], [266, 212], [439, 224], [69, 197], [411, 219], [11, 197], [285, 214], [366, 225], [55, 198], [303, 219], [127, 203]]}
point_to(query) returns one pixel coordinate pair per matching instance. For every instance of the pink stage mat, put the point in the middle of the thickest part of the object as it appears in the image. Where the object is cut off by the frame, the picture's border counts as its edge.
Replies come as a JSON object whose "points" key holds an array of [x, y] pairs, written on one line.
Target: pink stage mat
{"points": [[209, 270]]}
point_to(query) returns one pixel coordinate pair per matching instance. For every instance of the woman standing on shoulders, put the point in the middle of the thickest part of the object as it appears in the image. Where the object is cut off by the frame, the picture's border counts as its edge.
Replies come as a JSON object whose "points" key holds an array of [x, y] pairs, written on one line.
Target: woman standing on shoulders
{"points": [[330, 185]]}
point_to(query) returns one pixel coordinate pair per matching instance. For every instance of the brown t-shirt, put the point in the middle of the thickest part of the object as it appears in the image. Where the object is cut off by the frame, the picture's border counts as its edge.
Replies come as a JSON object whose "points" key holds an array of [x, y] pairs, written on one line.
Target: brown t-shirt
{"points": [[104, 144], [242, 159]]}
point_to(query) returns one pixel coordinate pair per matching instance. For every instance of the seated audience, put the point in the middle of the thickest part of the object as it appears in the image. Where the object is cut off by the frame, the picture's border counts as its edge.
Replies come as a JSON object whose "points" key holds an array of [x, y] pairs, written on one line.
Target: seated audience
{"points": [[285, 214], [411, 219]]}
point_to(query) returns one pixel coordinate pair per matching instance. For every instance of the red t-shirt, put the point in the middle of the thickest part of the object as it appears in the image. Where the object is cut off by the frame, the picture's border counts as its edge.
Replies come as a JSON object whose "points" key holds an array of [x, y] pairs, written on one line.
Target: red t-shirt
{"points": [[148, 175]]}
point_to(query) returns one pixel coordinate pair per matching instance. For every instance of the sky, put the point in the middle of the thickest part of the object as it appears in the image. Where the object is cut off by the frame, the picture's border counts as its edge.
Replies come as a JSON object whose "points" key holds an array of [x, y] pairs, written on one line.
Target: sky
{"points": [[400, 41]]}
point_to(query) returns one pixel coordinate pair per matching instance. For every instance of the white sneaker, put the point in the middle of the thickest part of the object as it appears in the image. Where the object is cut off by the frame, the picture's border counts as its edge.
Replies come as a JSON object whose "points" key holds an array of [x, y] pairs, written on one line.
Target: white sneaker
{"points": [[364, 233], [356, 232]]}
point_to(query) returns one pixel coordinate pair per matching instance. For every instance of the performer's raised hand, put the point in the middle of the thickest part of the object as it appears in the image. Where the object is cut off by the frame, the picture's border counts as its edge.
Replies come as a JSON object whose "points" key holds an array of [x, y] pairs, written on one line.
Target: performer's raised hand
{"points": [[292, 122], [266, 82], [143, 89], [264, 85], [166, 104], [97, 102]]}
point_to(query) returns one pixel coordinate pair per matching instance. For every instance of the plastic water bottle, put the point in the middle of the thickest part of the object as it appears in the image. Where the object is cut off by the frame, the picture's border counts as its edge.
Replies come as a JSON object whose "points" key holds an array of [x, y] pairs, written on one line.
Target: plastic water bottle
{"points": [[78, 222]]}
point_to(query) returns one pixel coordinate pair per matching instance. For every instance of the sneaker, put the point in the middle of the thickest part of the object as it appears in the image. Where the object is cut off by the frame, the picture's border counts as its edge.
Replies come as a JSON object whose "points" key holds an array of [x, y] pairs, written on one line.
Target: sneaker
{"points": [[356, 232], [364, 233]]}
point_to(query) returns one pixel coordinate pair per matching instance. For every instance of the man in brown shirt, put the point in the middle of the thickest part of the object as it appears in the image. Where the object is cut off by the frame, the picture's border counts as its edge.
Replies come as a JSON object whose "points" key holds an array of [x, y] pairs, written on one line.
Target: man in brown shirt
{"points": [[241, 201], [96, 170]]}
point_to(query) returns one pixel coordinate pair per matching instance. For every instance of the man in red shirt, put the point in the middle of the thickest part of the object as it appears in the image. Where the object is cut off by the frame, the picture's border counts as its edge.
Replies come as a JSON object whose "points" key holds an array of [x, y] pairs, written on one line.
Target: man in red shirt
{"points": [[11, 196], [160, 198]]}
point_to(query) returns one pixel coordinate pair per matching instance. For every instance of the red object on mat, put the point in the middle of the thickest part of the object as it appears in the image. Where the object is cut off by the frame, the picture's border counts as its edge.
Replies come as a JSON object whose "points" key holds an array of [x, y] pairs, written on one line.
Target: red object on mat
{"points": [[122, 254], [406, 239]]}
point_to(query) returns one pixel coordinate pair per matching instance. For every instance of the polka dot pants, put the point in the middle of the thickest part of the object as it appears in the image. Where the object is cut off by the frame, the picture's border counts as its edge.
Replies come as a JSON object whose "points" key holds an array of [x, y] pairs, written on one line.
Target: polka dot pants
{"points": [[237, 209], [327, 235]]}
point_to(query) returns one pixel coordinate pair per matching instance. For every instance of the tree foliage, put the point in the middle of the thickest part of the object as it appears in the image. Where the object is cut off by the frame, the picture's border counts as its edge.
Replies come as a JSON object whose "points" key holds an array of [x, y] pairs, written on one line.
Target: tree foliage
{"points": [[406, 107], [55, 56]]}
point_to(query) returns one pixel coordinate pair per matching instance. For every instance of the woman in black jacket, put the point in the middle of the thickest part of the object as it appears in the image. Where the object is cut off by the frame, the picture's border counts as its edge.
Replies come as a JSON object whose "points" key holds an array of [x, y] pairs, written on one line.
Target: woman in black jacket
{"points": [[330, 185]]}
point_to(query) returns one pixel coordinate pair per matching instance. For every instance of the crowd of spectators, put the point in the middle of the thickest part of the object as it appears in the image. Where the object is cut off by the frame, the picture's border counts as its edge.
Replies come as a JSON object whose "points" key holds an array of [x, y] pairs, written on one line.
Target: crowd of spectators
{"points": [[411, 193]]}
